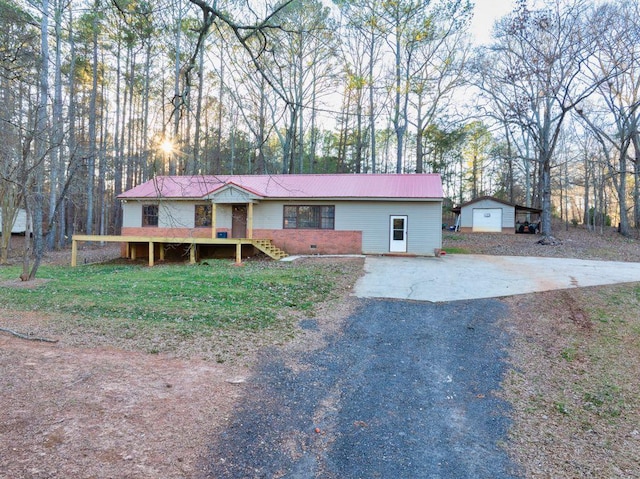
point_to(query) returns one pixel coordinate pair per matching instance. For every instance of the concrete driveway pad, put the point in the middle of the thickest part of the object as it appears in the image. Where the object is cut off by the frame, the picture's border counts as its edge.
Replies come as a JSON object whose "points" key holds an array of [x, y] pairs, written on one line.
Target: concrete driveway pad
{"points": [[462, 277]]}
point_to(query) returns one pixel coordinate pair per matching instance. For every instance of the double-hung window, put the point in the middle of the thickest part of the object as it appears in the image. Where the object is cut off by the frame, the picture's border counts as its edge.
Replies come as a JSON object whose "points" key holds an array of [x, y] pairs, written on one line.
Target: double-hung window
{"points": [[203, 216], [150, 215], [309, 217]]}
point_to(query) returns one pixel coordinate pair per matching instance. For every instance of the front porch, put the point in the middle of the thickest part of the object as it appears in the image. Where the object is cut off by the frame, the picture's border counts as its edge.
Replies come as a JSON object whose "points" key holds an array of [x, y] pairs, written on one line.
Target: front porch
{"points": [[155, 246]]}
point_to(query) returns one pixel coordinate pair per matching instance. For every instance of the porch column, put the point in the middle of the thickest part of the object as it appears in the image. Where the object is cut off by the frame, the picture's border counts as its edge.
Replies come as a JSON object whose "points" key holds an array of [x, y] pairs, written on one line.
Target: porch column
{"points": [[213, 220], [161, 251], [250, 221], [151, 253], [192, 253]]}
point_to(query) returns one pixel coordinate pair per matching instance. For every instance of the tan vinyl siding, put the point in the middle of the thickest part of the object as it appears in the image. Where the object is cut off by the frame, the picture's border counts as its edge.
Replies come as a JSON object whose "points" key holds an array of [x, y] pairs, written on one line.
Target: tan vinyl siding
{"points": [[176, 214], [268, 214], [172, 214], [131, 214]]}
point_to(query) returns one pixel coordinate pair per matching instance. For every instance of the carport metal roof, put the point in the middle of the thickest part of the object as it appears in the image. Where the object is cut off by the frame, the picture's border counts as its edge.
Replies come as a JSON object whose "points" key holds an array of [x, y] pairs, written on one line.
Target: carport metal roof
{"points": [[518, 208]]}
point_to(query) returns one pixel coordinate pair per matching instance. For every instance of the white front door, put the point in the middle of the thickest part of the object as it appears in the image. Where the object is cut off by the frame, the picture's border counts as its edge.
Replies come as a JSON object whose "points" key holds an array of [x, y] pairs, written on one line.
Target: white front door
{"points": [[398, 234]]}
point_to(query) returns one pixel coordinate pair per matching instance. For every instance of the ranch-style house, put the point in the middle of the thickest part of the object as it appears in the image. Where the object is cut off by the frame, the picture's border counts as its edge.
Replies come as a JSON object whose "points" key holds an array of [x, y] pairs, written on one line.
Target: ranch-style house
{"points": [[280, 215]]}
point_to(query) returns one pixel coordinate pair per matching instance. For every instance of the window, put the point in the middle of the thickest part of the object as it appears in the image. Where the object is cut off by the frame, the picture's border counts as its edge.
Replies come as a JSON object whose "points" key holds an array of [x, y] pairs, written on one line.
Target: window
{"points": [[203, 216], [309, 217], [150, 215]]}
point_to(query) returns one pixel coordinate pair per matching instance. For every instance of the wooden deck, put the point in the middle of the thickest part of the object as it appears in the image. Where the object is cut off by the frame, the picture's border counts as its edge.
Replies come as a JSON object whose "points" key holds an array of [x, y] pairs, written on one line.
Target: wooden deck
{"points": [[132, 242]]}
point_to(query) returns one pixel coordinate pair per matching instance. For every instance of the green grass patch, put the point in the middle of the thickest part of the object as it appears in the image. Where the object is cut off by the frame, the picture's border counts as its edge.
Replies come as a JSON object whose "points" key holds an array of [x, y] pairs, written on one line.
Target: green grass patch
{"points": [[569, 354], [455, 250], [218, 295], [453, 237]]}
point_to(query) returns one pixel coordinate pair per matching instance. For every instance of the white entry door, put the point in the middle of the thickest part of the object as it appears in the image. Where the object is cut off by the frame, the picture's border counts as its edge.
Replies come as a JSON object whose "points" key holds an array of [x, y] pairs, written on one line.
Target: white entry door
{"points": [[398, 234]]}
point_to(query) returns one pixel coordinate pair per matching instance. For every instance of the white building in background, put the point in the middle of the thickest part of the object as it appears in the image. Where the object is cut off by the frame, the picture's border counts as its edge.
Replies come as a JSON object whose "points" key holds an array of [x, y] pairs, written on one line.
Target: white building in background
{"points": [[19, 224]]}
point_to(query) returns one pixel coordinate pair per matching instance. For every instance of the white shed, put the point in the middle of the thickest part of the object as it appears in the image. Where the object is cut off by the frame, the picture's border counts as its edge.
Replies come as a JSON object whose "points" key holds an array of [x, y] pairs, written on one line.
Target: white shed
{"points": [[490, 215], [19, 224]]}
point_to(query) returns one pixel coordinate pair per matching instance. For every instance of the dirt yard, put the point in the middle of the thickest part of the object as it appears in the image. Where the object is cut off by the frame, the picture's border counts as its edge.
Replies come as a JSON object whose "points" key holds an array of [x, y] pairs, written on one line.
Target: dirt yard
{"points": [[84, 408], [104, 413]]}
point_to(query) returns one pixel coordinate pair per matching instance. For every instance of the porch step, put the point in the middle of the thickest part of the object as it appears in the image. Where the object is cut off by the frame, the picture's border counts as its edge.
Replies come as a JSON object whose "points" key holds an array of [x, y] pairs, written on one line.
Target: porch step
{"points": [[267, 247]]}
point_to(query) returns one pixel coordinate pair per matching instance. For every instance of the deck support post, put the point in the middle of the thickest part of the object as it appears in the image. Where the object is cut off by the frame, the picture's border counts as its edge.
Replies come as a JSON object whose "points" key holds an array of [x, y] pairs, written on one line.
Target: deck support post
{"points": [[74, 253], [151, 253], [132, 243]]}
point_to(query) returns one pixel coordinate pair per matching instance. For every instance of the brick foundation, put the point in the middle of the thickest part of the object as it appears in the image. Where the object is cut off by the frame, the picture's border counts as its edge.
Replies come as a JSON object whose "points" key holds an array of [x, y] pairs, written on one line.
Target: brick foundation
{"points": [[313, 241]]}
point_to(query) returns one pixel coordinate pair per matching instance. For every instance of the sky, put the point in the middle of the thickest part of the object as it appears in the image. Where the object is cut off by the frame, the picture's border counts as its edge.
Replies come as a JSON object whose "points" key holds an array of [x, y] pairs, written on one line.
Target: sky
{"points": [[486, 12]]}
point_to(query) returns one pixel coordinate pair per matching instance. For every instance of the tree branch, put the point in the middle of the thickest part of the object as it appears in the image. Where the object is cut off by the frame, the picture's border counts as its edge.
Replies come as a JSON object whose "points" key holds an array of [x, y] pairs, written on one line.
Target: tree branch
{"points": [[243, 34], [28, 337]]}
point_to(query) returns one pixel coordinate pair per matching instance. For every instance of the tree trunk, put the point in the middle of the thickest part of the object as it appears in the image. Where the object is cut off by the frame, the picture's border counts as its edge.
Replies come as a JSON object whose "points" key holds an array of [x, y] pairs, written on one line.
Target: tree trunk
{"points": [[35, 206], [359, 132], [419, 138], [218, 152], [177, 97], [546, 197], [195, 167], [587, 184], [57, 157], [145, 109], [260, 166], [398, 126], [299, 101], [91, 154], [636, 183], [132, 166], [118, 154], [102, 167], [372, 115], [623, 227], [314, 133], [72, 146]]}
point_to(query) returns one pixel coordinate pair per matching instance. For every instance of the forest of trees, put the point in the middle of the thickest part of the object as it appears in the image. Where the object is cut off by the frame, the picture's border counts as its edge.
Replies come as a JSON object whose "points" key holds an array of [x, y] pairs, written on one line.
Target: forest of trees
{"points": [[100, 95]]}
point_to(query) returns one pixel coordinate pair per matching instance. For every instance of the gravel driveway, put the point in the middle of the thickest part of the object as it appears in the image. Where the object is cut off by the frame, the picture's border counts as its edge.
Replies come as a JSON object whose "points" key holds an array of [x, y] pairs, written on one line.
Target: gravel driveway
{"points": [[405, 390]]}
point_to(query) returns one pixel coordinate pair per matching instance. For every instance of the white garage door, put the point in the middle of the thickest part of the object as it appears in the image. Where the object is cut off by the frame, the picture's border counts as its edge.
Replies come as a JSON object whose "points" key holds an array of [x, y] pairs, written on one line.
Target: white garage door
{"points": [[487, 220]]}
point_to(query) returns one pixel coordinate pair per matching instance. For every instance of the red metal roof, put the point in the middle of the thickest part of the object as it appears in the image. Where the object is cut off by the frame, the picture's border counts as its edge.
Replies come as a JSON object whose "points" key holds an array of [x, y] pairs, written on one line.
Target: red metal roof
{"points": [[416, 186]]}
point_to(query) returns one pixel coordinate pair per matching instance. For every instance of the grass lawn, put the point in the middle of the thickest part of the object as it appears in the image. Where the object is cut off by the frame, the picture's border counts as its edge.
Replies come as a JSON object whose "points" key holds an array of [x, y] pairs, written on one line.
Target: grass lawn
{"points": [[454, 250], [181, 298]]}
